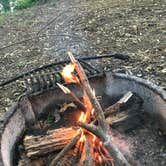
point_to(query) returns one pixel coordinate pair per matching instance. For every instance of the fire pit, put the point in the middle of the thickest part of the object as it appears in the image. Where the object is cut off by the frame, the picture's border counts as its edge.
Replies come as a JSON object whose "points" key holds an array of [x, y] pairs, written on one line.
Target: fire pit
{"points": [[109, 88]]}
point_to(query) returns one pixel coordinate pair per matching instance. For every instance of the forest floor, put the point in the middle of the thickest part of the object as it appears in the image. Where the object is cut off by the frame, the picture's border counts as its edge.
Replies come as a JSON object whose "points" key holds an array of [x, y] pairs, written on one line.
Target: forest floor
{"points": [[85, 27]]}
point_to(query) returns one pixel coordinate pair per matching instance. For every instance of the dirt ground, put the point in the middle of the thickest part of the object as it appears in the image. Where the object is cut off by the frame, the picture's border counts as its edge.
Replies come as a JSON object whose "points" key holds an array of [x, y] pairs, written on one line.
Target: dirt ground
{"points": [[85, 27]]}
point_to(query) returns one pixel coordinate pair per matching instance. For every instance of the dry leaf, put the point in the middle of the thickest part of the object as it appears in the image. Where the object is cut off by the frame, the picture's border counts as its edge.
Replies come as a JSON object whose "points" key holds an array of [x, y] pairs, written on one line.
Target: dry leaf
{"points": [[65, 106]]}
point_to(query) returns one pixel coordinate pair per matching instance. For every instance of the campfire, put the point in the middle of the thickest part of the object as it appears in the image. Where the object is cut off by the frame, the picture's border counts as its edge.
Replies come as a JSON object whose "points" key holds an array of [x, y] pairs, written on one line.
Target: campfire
{"points": [[105, 119], [89, 142]]}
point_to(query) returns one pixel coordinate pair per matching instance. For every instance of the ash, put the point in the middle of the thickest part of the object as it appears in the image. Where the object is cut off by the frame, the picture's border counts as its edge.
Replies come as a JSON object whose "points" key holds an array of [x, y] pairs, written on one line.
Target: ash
{"points": [[145, 144]]}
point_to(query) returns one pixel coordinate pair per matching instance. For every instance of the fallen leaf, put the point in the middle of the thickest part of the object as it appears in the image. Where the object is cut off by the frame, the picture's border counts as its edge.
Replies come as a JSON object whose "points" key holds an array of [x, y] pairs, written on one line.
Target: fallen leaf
{"points": [[66, 106]]}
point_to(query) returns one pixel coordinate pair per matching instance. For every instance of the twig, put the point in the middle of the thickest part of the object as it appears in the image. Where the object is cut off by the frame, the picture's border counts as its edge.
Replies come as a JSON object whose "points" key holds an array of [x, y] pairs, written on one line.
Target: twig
{"points": [[76, 99]]}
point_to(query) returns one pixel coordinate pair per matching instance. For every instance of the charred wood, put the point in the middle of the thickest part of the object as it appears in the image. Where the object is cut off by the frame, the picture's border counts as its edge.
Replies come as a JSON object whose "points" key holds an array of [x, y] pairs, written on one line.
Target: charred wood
{"points": [[51, 141]]}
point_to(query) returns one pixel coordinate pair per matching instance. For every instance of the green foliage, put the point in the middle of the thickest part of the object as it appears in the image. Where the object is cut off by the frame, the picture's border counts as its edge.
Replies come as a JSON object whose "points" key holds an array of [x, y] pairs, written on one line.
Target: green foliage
{"points": [[21, 4], [5, 4], [2, 18]]}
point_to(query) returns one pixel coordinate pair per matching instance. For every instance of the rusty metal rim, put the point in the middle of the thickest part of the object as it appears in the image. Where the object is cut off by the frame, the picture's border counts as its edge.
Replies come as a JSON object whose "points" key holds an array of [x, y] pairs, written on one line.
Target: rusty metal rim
{"points": [[157, 89]]}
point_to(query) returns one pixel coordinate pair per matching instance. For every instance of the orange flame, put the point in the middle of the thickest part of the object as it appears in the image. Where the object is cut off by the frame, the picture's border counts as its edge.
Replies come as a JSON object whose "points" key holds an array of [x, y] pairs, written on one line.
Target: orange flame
{"points": [[100, 159], [68, 76], [94, 138], [92, 111], [81, 117], [67, 73]]}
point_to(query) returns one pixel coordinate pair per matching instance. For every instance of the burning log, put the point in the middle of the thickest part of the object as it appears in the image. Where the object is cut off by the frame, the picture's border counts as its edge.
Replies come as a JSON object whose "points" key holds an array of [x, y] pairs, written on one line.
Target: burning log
{"points": [[52, 141], [86, 86], [100, 131], [90, 130], [105, 138]]}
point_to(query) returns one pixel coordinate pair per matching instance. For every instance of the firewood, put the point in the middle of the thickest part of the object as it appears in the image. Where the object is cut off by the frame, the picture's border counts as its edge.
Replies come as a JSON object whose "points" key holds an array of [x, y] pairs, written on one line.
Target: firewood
{"points": [[65, 107], [118, 118], [101, 131], [115, 107], [51, 141], [105, 138], [66, 149], [87, 88], [86, 156]]}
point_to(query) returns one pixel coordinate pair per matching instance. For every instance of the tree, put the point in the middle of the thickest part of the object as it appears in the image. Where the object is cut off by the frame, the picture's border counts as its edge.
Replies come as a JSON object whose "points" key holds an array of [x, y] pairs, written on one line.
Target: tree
{"points": [[5, 4]]}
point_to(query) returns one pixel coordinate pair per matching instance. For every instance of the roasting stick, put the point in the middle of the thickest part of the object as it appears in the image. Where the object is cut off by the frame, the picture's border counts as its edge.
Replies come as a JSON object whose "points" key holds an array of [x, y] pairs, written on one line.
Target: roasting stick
{"points": [[100, 131]]}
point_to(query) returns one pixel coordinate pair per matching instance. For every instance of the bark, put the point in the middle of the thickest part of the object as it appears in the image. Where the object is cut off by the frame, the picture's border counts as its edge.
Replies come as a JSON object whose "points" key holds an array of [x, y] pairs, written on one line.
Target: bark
{"points": [[51, 141]]}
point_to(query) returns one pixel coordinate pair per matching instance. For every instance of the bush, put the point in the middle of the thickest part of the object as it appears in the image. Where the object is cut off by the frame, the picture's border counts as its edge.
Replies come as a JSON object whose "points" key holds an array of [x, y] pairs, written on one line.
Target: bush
{"points": [[21, 4]]}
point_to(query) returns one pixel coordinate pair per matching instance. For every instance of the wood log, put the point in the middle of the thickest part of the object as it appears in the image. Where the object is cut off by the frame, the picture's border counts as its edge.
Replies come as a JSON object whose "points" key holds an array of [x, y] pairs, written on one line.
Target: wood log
{"points": [[100, 130], [111, 110], [118, 118], [51, 141], [115, 107]]}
